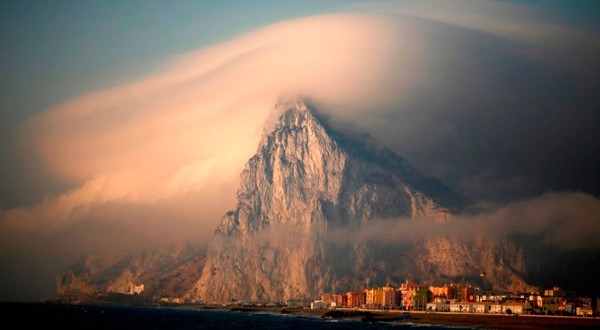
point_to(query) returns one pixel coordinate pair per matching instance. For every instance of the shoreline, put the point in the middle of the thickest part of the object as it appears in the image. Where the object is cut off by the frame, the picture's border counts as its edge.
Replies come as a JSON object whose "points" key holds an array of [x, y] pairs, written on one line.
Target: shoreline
{"points": [[447, 319], [477, 320], [500, 321]]}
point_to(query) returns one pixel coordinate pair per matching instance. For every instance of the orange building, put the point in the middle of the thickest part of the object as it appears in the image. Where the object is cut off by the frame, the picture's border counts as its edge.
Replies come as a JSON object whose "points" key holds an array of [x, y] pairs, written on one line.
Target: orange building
{"points": [[461, 292], [340, 300], [326, 297], [382, 297], [373, 298], [390, 297], [355, 299], [409, 291], [445, 292]]}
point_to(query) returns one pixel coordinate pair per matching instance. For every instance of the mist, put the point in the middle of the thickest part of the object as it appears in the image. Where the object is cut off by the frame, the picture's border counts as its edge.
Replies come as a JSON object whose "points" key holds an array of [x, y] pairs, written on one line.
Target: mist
{"points": [[502, 112], [565, 221]]}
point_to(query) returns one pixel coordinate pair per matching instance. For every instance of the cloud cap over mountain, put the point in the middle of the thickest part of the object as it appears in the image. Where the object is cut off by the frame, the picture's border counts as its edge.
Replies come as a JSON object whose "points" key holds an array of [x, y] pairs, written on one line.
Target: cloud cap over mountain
{"points": [[496, 100]]}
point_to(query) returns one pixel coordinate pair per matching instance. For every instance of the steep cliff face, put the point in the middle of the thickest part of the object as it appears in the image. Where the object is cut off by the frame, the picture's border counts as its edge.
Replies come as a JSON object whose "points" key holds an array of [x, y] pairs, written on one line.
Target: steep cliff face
{"points": [[305, 173], [163, 272], [307, 182], [482, 262], [318, 210]]}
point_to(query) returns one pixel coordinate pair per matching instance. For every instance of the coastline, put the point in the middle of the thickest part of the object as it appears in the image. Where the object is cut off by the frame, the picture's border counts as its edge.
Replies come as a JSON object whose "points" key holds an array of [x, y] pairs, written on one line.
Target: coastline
{"points": [[476, 320], [507, 322], [446, 319]]}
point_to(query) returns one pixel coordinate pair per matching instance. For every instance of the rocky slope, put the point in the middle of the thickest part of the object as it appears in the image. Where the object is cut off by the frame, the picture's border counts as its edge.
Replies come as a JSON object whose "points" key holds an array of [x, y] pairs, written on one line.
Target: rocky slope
{"points": [[302, 203], [163, 272], [318, 210]]}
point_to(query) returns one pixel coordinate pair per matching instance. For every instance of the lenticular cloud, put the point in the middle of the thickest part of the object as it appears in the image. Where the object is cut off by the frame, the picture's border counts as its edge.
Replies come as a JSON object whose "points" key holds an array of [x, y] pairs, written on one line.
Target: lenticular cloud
{"points": [[192, 125], [157, 159]]}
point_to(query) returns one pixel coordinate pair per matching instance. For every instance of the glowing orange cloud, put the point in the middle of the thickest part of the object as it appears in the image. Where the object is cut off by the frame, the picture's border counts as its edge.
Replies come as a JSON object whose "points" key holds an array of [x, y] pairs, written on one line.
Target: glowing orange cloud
{"points": [[199, 120]]}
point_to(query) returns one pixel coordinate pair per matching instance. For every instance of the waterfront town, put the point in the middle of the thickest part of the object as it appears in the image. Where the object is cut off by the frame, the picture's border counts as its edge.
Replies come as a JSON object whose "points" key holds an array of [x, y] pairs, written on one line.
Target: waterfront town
{"points": [[454, 297], [461, 297]]}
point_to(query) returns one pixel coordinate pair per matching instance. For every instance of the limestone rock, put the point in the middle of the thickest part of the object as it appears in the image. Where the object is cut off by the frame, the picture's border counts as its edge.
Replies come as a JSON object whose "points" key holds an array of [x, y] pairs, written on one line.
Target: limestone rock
{"points": [[163, 272], [306, 181]]}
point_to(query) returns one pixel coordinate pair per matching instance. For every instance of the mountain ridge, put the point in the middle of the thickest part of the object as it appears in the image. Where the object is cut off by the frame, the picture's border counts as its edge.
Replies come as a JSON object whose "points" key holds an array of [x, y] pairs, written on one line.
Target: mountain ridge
{"points": [[310, 178], [304, 205], [368, 147]]}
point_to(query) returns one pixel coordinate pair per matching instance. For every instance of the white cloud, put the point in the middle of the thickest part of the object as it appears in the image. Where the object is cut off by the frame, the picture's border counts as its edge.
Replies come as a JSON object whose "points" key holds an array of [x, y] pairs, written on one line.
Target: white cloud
{"points": [[194, 124], [160, 156], [200, 119], [564, 221]]}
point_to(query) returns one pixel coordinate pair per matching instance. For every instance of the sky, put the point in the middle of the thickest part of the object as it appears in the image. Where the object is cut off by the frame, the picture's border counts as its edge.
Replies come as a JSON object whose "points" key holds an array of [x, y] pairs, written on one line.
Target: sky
{"points": [[126, 124]]}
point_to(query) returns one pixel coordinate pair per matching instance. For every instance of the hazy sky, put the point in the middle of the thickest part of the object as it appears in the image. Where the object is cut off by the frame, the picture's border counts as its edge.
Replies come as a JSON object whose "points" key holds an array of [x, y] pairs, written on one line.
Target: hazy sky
{"points": [[128, 122]]}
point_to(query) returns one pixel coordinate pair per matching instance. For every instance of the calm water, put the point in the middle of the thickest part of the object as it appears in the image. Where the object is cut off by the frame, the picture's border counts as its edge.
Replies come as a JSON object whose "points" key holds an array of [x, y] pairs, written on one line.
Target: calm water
{"points": [[123, 317]]}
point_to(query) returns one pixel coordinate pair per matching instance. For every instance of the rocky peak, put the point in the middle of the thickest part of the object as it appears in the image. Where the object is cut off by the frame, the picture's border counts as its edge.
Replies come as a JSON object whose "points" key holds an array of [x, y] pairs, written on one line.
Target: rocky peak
{"points": [[304, 201], [305, 179]]}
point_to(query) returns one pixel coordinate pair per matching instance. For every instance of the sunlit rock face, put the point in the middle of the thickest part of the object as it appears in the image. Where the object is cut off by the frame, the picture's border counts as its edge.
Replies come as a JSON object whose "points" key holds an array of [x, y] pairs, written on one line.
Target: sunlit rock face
{"points": [[318, 210], [158, 272], [303, 201]]}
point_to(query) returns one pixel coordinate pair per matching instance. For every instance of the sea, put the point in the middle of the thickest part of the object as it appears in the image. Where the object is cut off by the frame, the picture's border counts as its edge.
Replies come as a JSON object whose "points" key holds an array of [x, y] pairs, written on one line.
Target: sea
{"points": [[113, 317]]}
